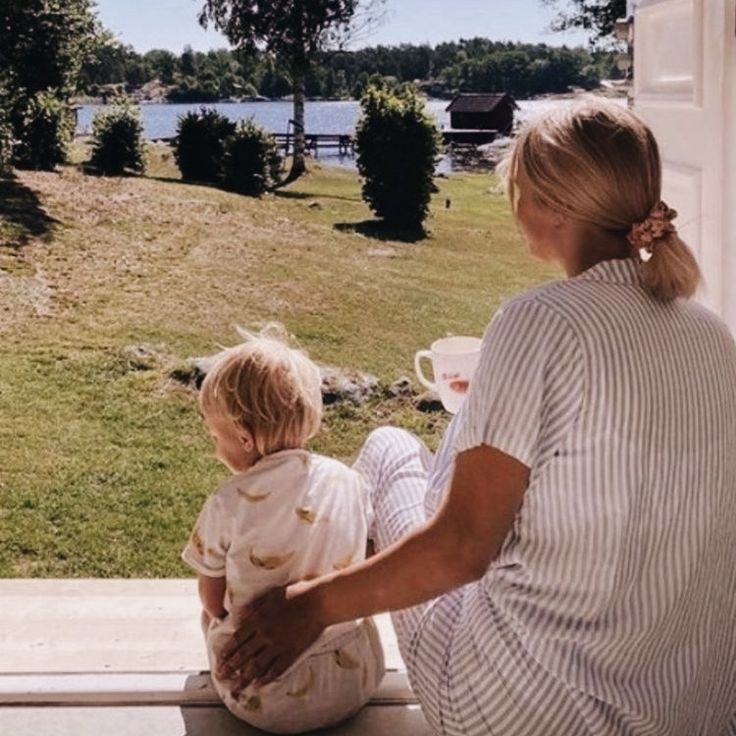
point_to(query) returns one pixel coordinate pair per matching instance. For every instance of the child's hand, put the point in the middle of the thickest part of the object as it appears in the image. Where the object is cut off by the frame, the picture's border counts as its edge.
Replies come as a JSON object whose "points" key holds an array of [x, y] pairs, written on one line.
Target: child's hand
{"points": [[271, 633]]}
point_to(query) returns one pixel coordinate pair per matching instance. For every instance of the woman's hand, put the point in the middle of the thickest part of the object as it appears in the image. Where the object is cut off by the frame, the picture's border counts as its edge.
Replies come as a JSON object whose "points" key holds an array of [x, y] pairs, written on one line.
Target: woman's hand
{"points": [[453, 548], [272, 632]]}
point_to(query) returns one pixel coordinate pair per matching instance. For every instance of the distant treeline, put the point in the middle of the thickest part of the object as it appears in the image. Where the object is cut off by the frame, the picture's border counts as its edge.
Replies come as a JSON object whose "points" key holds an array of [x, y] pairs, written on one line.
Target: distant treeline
{"points": [[473, 65]]}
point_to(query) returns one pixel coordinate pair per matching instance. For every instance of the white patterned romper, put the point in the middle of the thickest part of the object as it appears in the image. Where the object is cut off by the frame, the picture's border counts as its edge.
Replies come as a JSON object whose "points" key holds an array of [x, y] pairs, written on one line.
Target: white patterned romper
{"points": [[292, 516]]}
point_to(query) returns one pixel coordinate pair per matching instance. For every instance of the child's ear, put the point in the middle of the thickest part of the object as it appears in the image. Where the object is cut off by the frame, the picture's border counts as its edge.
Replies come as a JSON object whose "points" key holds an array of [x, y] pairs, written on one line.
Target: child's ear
{"points": [[559, 219], [247, 440]]}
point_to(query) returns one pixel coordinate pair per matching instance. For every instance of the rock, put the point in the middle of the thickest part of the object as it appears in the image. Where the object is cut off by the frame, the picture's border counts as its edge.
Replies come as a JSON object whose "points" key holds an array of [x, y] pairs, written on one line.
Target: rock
{"points": [[143, 357], [315, 206], [429, 401], [494, 151], [338, 384], [402, 388], [382, 252], [346, 384], [194, 371]]}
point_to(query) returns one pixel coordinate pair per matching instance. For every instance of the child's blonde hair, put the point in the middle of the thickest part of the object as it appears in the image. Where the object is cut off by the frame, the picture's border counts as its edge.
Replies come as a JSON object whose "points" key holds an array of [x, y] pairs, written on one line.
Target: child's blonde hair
{"points": [[597, 162], [267, 388]]}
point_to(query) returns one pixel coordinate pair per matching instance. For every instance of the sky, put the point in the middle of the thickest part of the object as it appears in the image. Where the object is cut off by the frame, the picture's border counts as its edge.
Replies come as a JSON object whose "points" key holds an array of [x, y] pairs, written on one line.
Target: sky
{"points": [[171, 24]]}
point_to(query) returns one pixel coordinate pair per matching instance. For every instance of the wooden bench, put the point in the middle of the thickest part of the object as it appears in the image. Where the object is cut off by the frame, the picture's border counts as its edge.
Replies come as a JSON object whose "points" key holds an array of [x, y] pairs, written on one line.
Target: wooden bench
{"points": [[125, 657]]}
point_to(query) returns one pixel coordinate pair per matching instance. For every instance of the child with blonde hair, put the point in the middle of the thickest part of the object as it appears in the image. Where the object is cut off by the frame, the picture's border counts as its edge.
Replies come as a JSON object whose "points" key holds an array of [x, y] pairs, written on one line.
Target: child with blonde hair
{"points": [[285, 515]]}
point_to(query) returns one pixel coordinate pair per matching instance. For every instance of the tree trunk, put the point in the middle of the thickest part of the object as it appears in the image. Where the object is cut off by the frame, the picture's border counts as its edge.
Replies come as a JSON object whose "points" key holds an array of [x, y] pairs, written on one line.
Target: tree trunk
{"points": [[298, 166]]}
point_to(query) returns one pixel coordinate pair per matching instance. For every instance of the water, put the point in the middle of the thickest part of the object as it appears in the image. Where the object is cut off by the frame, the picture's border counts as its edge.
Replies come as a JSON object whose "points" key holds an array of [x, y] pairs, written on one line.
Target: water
{"points": [[160, 120]]}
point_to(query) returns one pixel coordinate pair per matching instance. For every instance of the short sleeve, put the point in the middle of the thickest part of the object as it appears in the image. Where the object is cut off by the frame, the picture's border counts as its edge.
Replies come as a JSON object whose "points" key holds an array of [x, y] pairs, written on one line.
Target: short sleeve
{"points": [[528, 387], [209, 541]]}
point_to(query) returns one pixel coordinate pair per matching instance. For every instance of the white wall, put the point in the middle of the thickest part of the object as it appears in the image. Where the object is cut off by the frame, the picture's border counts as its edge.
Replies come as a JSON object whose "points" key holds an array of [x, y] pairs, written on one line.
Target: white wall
{"points": [[729, 183], [685, 88]]}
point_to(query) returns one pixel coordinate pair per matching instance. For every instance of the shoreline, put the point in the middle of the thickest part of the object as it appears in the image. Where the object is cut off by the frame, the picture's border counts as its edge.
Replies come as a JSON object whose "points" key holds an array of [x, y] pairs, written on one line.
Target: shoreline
{"points": [[612, 92]]}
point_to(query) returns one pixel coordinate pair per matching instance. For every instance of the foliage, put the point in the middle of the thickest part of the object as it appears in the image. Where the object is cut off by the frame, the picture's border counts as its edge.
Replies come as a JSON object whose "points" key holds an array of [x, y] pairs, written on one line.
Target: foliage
{"points": [[117, 140], [590, 15], [6, 147], [6, 138], [294, 32], [45, 132], [398, 147], [252, 161], [200, 144], [472, 65], [521, 73], [43, 44]]}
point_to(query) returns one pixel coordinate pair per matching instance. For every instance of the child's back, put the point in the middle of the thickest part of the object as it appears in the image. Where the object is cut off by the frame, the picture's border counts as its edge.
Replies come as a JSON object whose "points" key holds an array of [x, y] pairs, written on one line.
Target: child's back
{"points": [[293, 515]]}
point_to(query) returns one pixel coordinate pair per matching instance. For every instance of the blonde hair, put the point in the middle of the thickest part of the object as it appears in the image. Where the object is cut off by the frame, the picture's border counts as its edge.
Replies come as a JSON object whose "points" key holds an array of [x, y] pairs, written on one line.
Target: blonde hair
{"points": [[599, 163], [267, 388]]}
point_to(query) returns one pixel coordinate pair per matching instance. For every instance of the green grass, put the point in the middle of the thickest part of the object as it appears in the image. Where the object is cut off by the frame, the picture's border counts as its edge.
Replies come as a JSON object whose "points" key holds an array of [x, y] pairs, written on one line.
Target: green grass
{"points": [[105, 462]]}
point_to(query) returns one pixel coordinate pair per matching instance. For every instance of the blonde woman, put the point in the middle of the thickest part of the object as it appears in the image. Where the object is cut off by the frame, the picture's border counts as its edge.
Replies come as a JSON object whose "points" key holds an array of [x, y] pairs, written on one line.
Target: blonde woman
{"points": [[566, 563], [285, 514]]}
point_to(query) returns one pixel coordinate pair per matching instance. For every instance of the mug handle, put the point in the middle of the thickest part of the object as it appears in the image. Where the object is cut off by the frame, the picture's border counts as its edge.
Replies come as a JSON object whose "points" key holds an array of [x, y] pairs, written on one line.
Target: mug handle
{"points": [[418, 369]]}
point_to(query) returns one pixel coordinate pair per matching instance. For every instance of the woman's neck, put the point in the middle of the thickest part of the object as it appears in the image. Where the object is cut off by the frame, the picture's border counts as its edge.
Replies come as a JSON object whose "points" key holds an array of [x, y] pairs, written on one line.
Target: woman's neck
{"points": [[586, 248]]}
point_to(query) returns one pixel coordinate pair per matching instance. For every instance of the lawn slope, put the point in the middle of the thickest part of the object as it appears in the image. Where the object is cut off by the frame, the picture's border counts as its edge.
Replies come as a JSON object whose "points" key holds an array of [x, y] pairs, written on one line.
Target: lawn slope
{"points": [[107, 285]]}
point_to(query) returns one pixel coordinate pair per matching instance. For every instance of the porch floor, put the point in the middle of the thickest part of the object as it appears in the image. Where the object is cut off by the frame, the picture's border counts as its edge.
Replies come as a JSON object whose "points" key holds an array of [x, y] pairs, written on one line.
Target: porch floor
{"points": [[125, 657]]}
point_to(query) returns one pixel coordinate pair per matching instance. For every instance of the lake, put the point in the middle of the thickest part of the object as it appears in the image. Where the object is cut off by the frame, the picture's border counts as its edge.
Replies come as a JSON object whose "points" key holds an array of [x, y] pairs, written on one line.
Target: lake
{"points": [[160, 120]]}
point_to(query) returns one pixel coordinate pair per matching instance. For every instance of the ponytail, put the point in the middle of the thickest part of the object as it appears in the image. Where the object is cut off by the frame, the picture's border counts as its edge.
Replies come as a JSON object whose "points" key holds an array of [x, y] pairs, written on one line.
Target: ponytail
{"points": [[668, 268], [671, 271]]}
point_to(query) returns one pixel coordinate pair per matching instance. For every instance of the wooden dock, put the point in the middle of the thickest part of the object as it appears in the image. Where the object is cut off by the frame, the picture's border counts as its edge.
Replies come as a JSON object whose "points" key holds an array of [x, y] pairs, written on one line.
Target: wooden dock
{"points": [[469, 135], [343, 142], [314, 142]]}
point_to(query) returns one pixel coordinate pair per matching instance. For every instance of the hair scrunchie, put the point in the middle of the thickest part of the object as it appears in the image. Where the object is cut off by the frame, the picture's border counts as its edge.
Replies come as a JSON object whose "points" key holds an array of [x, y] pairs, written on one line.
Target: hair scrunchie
{"points": [[657, 224]]}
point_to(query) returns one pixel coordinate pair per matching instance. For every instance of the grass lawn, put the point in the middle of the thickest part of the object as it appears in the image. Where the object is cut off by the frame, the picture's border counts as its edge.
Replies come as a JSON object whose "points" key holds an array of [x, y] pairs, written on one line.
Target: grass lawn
{"points": [[105, 462]]}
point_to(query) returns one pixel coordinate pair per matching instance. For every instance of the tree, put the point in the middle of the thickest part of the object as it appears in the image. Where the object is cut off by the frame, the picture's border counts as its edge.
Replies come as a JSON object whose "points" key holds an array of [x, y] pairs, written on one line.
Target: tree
{"points": [[43, 45], [107, 63], [590, 15], [188, 62], [294, 32], [162, 64]]}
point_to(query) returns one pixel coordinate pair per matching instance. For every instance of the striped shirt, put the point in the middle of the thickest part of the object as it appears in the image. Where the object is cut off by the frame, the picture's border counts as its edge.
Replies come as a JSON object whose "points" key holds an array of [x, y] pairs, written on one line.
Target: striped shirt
{"points": [[611, 608]]}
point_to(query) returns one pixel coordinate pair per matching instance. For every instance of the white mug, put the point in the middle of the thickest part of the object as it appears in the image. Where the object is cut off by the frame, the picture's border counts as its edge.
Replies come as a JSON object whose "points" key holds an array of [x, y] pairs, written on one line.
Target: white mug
{"points": [[454, 360]]}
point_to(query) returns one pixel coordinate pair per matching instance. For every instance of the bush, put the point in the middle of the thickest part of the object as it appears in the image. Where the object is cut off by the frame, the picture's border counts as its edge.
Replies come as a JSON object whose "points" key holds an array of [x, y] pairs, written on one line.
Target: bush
{"points": [[252, 161], [398, 149], [46, 131], [6, 144], [199, 147], [117, 140]]}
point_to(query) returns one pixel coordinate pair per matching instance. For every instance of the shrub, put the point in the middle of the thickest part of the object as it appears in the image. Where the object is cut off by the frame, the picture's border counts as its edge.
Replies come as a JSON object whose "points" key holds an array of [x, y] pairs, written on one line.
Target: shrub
{"points": [[6, 144], [117, 140], [46, 131], [398, 148], [199, 146], [252, 161]]}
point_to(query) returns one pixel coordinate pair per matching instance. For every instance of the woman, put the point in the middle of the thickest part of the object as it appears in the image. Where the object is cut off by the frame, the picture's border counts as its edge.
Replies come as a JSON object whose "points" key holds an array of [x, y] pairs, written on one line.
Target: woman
{"points": [[565, 565]]}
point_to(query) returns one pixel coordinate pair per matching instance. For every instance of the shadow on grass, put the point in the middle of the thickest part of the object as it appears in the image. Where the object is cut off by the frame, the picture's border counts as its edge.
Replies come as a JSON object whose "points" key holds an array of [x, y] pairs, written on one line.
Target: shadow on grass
{"points": [[312, 195], [22, 216], [379, 230]]}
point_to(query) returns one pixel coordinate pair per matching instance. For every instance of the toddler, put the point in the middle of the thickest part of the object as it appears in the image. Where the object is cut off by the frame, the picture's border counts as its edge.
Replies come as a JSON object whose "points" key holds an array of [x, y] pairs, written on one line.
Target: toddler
{"points": [[286, 514]]}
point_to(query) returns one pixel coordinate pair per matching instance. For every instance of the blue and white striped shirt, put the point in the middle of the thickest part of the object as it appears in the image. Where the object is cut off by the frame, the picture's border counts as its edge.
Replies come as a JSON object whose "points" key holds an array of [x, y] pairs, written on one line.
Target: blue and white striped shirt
{"points": [[611, 608]]}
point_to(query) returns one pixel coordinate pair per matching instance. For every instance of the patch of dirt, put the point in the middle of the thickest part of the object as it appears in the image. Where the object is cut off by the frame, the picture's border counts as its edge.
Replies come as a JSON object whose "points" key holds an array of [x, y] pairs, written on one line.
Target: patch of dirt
{"points": [[145, 252], [23, 298]]}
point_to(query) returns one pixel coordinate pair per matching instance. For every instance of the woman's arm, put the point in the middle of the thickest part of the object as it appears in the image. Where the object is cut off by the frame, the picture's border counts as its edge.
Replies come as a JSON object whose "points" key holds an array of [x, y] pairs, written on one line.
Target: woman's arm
{"points": [[455, 547], [212, 595]]}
